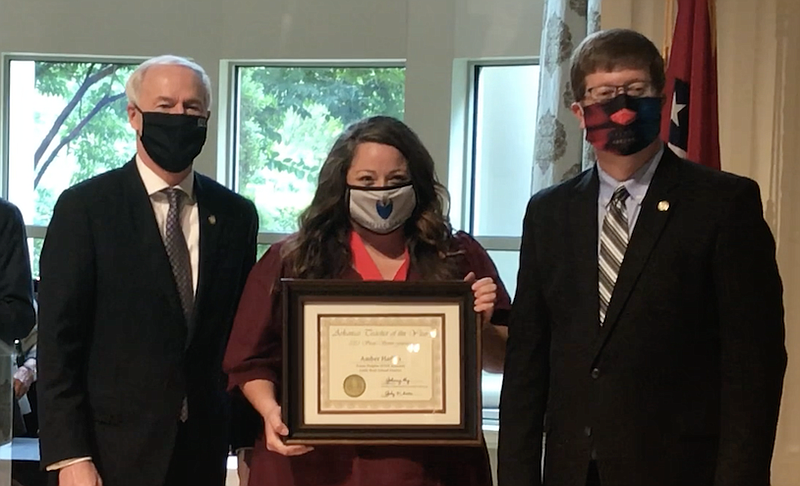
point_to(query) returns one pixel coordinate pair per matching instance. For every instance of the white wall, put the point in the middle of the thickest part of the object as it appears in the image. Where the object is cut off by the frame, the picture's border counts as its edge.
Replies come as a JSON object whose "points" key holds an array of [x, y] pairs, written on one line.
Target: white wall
{"points": [[311, 29], [498, 28]]}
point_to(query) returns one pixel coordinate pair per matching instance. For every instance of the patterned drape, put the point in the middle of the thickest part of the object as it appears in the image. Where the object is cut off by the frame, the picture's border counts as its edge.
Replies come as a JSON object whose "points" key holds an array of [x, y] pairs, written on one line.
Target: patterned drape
{"points": [[559, 150]]}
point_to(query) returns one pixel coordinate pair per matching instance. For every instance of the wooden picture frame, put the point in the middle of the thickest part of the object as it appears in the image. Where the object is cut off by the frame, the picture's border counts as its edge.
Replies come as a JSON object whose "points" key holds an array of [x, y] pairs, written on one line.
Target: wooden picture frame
{"points": [[380, 362]]}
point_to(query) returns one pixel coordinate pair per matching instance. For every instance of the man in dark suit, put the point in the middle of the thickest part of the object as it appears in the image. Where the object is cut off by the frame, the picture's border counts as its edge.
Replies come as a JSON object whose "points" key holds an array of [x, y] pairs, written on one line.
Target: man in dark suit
{"points": [[17, 315], [141, 273], [646, 338], [16, 286]]}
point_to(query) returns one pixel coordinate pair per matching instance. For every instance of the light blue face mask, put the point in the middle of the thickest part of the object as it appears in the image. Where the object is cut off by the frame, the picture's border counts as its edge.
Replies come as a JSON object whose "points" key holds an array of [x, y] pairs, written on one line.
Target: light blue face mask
{"points": [[381, 209]]}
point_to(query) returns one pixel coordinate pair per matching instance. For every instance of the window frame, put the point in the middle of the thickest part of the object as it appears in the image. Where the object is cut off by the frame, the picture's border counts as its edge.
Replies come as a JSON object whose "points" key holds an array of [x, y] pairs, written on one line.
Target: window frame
{"points": [[229, 87], [468, 184], [36, 231]]}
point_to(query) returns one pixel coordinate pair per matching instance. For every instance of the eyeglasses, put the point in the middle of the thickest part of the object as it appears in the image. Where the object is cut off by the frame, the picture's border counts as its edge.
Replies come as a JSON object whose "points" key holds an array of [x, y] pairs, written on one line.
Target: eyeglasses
{"points": [[634, 89]]}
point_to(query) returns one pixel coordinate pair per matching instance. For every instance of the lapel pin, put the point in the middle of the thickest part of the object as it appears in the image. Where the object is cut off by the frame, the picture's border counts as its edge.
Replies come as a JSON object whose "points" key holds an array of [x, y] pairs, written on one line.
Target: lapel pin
{"points": [[663, 206], [213, 219]]}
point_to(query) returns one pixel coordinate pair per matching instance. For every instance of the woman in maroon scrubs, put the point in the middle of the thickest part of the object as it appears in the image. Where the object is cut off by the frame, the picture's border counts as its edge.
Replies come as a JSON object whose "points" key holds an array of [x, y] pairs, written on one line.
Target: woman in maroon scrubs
{"points": [[378, 214]]}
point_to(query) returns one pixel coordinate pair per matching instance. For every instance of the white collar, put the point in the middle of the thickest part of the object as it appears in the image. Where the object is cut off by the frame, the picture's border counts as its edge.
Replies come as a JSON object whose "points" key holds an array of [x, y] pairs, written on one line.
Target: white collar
{"points": [[155, 184]]}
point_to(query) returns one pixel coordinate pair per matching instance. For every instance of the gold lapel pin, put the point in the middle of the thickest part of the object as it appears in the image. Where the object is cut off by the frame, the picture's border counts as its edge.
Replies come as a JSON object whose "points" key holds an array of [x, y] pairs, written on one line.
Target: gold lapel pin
{"points": [[663, 206], [213, 219]]}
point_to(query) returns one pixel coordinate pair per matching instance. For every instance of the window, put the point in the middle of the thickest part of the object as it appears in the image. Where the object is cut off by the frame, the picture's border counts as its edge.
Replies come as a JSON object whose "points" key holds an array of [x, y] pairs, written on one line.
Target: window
{"points": [[287, 118], [261, 248], [504, 127], [503, 105], [66, 123]]}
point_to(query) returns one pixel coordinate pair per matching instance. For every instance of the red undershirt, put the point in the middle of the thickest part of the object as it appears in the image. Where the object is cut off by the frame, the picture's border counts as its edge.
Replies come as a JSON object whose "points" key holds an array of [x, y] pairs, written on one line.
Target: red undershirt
{"points": [[365, 265]]}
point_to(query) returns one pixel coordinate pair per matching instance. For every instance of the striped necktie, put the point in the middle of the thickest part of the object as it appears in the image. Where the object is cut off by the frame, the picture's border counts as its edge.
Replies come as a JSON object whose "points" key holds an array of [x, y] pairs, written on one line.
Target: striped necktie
{"points": [[613, 242]]}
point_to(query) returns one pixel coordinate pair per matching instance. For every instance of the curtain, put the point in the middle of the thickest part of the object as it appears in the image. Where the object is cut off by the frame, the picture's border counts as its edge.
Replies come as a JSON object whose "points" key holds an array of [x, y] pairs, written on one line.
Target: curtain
{"points": [[559, 148]]}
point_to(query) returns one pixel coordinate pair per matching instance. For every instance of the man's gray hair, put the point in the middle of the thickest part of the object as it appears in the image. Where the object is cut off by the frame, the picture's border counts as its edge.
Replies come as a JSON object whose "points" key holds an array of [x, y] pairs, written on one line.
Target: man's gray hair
{"points": [[134, 84]]}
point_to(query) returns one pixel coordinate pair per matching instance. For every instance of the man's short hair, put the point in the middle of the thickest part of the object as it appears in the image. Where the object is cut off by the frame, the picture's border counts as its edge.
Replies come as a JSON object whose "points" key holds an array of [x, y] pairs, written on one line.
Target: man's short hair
{"points": [[134, 83], [612, 50]]}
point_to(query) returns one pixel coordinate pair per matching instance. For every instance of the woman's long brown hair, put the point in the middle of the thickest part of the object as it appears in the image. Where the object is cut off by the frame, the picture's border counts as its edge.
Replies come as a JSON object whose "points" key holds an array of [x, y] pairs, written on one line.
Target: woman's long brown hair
{"points": [[320, 249]]}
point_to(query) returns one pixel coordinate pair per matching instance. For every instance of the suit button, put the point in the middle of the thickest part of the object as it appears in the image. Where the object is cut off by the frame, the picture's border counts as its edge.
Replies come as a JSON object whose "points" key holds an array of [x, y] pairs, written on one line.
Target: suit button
{"points": [[587, 431], [595, 373]]}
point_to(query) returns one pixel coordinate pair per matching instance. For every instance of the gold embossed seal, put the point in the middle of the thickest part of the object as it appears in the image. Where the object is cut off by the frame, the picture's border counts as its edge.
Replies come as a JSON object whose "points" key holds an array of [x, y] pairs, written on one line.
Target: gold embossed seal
{"points": [[354, 386]]}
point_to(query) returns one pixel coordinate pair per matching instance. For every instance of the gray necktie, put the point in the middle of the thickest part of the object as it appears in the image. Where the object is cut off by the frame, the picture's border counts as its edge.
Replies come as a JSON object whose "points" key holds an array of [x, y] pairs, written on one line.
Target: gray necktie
{"points": [[178, 251], [613, 243], [179, 260]]}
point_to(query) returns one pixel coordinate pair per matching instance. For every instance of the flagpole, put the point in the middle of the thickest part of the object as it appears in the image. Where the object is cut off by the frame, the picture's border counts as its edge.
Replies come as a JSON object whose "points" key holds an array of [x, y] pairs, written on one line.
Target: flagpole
{"points": [[669, 21], [712, 23]]}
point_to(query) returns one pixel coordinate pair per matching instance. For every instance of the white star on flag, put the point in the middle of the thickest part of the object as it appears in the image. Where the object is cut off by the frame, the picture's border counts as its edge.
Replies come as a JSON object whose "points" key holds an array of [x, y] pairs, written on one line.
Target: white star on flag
{"points": [[676, 109]]}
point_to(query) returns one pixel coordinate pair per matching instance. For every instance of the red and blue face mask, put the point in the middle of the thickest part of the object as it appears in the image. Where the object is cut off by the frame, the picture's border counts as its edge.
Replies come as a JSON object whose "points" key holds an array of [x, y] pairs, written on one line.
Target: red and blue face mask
{"points": [[623, 125]]}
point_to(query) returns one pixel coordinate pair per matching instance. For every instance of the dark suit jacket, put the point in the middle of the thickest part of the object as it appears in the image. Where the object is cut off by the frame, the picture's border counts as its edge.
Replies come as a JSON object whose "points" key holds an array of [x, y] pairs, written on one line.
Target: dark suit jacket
{"points": [[682, 385], [16, 286], [116, 356]]}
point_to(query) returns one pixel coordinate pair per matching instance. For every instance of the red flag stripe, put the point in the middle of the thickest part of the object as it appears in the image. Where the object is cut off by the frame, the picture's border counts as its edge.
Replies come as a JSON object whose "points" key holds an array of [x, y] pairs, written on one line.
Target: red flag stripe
{"points": [[692, 60]]}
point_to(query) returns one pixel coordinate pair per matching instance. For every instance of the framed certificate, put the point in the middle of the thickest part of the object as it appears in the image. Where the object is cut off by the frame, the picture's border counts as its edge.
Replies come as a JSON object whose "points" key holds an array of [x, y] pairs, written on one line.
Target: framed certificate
{"points": [[380, 362]]}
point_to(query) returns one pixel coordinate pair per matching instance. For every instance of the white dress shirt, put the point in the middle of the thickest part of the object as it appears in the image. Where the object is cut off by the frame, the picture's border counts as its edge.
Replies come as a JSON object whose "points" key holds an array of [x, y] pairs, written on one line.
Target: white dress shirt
{"points": [[190, 217], [637, 186], [190, 223]]}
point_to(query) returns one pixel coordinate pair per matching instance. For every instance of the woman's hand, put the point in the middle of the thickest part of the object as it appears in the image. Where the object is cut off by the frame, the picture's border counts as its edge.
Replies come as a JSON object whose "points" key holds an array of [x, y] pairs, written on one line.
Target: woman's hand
{"points": [[485, 291], [274, 429], [261, 394], [493, 337]]}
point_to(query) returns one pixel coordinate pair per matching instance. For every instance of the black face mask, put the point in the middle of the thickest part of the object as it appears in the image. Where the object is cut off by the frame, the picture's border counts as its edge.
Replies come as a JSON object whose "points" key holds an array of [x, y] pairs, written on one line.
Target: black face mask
{"points": [[173, 141]]}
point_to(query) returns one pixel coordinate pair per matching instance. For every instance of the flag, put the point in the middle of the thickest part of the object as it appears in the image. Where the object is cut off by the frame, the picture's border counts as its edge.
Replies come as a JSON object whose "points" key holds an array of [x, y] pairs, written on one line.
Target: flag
{"points": [[690, 121]]}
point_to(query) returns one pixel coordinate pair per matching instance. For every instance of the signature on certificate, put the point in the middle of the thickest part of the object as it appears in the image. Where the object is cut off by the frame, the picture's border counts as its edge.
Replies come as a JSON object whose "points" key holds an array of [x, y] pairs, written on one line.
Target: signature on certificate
{"points": [[399, 382], [397, 394]]}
